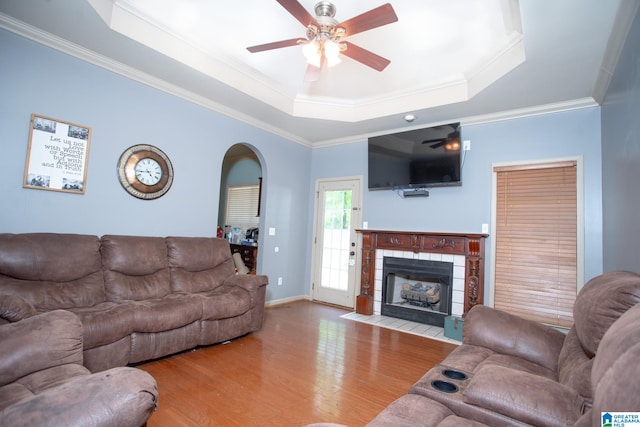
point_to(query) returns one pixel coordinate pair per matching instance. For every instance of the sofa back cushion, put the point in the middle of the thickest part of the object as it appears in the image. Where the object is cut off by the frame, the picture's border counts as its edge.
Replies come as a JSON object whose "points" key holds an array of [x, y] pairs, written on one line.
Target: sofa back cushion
{"points": [[52, 271], [135, 267], [198, 264], [601, 302], [574, 366], [39, 342]]}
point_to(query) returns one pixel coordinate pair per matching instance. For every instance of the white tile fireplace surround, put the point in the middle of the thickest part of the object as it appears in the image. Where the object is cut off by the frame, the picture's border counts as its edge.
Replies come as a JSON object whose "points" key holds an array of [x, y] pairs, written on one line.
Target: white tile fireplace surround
{"points": [[457, 297], [465, 251]]}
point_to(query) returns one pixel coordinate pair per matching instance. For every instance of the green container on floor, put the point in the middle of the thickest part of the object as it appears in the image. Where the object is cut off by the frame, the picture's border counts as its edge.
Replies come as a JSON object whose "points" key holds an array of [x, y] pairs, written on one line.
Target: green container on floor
{"points": [[453, 327]]}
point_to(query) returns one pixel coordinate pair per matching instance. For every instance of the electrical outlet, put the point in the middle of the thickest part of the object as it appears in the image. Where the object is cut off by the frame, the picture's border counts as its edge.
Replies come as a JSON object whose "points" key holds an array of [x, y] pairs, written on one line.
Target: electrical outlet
{"points": [[466, 145], [485, 228], [279, 281]]}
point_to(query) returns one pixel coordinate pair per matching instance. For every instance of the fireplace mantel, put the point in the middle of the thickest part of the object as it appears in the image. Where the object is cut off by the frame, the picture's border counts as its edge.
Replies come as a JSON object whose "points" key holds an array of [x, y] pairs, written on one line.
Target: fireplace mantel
{"points": [[471, 246]]}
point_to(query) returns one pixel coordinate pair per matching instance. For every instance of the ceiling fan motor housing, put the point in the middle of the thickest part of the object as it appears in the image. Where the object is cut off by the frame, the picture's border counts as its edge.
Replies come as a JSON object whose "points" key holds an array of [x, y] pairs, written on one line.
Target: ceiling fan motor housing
{"points": [[325, 12]]}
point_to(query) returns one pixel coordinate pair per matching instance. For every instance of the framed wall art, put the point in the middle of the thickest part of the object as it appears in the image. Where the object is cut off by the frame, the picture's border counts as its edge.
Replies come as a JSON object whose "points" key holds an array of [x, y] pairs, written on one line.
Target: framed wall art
{"points": [[57, 156]]}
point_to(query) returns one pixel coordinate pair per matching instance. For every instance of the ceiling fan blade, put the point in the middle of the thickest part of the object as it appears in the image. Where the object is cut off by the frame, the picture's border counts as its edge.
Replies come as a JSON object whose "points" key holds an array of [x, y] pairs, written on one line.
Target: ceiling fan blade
{"points": [[374, 18], [364, 56], [299, 12], [429, 141], [438, 145], [273, 45]]}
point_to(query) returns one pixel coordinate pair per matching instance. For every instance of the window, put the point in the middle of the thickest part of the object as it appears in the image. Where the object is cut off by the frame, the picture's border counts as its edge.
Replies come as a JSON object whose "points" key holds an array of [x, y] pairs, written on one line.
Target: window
{"points": [[536, 241], [242, 206]]}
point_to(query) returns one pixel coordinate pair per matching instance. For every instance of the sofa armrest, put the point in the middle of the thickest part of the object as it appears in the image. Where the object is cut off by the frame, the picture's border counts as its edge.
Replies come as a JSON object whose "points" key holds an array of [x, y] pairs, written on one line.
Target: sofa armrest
{"points": [[512, 335], [117, 397], [39, 342], [250, 282], [14, 308], [523, 396]]}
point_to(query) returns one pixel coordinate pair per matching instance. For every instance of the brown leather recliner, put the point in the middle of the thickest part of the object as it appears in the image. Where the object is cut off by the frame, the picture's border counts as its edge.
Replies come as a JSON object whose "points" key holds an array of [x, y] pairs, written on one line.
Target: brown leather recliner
{"points": [[43, 381], [520, 372]]}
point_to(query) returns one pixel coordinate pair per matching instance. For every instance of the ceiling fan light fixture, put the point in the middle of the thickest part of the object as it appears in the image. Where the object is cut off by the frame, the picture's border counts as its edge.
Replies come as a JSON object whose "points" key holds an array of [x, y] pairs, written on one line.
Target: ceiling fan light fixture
{"points": [[453, 145], [313, 52]]}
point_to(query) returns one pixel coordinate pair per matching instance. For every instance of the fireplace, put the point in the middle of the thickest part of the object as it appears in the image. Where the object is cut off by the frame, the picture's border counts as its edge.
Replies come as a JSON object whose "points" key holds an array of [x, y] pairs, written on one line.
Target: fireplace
{"points": [[465, 251], [416, 289]]}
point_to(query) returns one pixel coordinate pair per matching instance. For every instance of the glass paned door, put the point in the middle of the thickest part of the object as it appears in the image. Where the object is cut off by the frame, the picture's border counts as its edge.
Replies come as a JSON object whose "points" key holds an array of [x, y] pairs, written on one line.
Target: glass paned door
{"points": [[337, 213]]}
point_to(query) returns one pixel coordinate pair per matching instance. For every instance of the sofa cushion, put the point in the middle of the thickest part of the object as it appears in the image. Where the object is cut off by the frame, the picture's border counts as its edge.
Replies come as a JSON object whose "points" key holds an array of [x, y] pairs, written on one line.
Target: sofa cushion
{"points": [[525, 397], [601, 302], [412, 410], [52, 271], [164, 314], [574, 366], [198, 264], [39, 342], [136, 268], [224, 302], [105, 323]]}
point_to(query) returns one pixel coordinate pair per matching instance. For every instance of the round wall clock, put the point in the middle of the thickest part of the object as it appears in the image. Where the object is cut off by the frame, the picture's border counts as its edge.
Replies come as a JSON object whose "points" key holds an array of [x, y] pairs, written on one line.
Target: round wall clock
{"points": [[145, 171]]}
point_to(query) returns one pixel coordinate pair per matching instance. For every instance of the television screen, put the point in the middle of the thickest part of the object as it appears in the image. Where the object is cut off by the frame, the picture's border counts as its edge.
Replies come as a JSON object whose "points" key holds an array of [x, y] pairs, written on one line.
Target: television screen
{"points": [[420, 158]]}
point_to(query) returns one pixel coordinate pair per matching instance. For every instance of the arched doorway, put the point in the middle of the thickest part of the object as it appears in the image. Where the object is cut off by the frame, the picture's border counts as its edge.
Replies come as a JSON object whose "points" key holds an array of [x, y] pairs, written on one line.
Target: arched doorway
{"points": [[239, 212]]}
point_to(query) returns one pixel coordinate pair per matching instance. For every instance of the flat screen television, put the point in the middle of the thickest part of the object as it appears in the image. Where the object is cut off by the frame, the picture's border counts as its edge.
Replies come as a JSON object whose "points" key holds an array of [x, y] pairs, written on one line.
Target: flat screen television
{"points": [[420, 158]]}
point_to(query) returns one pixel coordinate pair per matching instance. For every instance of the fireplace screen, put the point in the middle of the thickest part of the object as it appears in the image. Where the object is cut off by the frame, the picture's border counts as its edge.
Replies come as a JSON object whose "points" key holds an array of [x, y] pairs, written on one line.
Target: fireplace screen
{"points": [[417, 290]]}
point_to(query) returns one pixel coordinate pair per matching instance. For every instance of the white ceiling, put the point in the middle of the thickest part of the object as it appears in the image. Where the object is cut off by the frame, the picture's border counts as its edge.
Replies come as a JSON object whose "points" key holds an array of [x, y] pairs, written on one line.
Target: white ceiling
{"points": [[451, 60]]}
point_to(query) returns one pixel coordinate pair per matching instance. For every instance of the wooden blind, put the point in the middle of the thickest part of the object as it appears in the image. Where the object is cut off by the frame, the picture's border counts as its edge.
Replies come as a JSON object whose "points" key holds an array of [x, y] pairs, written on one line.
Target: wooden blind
{"points": [[536, 241], [242, 206]]}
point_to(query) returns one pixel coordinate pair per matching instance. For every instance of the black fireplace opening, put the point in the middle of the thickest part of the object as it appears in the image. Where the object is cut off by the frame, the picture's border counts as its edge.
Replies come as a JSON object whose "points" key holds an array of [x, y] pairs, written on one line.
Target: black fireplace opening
{"points": [[417, 290]]}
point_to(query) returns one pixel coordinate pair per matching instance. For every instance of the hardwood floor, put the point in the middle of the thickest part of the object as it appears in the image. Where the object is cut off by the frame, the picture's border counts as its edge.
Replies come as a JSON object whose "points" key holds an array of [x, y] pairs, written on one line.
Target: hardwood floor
{"points": [[306, 365]]}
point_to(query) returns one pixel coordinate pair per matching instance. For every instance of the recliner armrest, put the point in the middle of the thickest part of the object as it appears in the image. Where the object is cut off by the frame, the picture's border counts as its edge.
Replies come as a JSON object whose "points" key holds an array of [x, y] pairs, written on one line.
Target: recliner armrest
{"points": [[250, 282], [512, 335], [14, 308]]}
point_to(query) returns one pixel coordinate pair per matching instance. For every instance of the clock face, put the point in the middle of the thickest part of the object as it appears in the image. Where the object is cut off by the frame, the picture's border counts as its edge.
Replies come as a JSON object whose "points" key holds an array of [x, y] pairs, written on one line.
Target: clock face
{"points": [[148, 171], [145, 171]]}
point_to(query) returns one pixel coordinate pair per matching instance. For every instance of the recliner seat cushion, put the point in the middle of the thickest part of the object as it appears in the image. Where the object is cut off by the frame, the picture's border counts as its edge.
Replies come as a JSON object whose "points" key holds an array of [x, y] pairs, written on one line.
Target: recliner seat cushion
{"points": [[165, 314]]}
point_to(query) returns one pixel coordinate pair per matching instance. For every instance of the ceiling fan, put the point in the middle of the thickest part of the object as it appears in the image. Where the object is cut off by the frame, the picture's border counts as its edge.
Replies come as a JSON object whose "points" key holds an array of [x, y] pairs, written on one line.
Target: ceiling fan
{"points": [[451, 142], [324, 37]]}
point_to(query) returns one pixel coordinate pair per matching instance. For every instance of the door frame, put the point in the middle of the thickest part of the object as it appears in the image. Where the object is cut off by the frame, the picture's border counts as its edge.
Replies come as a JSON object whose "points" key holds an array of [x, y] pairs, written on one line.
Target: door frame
{"points": [[358, 248]]}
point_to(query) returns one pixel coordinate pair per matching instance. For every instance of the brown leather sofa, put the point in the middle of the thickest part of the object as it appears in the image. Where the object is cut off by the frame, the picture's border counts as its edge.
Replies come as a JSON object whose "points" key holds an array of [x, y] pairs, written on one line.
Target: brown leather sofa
{"points": [[43, 381], [138, 298], [513, 372]]}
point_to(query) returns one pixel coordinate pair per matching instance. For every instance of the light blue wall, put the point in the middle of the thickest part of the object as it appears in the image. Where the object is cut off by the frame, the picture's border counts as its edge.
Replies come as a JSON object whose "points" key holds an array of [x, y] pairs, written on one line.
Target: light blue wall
{"points": [[466, 208], [121, 113], [621, 159]]}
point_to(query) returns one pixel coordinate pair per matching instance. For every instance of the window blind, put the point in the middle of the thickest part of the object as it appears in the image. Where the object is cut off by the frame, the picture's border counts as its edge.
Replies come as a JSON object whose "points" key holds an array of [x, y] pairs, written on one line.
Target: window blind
{"points": [[242, 206], [536, 241]]}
